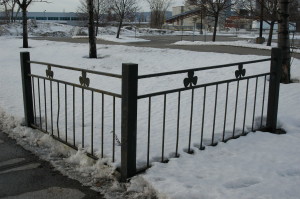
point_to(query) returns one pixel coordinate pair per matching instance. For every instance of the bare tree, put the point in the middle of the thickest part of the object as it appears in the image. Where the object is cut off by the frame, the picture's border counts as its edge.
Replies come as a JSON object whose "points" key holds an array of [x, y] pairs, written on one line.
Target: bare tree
{"points": [[158, 10], [123, 9], [23, 4], [214, 9], [100, 11], [270, 15], [195, 5]]}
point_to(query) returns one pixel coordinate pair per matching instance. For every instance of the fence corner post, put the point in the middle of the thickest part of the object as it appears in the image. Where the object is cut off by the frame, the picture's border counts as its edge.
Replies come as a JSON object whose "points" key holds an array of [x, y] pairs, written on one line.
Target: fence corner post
{"points": [[129, 120], [27, 89], [274, 85]]}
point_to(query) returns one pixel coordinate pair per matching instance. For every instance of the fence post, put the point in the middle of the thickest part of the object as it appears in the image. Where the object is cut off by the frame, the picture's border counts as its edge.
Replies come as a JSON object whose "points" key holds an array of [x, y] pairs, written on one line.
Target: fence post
{"points": [[27, 89], [274, 84], [129, 120]]}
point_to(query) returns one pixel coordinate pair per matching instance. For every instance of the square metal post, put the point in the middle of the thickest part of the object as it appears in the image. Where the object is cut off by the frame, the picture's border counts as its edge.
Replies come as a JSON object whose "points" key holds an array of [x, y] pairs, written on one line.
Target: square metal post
{"points": [[129, 120], [274, 86], [27, 88]]}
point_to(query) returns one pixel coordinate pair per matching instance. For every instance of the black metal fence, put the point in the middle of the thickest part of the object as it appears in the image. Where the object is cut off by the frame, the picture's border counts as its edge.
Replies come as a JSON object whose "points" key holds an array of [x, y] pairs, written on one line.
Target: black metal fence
{"points": [[218, 104]]}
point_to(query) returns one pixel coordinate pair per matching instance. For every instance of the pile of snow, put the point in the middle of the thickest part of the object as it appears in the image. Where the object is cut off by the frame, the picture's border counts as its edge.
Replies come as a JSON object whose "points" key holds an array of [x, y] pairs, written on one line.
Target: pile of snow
{"points": [[42, 29], [245, 168]]}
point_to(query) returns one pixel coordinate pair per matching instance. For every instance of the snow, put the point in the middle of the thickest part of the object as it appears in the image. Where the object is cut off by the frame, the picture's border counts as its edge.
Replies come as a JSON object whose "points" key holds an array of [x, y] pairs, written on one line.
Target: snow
{"points": [[246, 44], [260, 165], [122, 39]]}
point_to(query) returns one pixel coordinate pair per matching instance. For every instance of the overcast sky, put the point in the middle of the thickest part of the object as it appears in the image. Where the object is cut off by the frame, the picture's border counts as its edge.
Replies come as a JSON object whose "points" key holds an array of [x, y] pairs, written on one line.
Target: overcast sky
{"points": [[71, 6]]}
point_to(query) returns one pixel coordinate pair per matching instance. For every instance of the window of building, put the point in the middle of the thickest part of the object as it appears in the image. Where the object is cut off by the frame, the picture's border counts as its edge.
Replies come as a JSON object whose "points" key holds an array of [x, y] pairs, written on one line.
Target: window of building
{"points": [[52, 18]]}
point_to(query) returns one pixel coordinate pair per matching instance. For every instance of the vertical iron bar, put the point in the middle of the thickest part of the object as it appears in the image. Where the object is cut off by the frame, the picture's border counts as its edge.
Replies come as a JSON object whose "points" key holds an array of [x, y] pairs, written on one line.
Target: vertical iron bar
{"points": [[236, 104], [51, 104], [74, 135], [34, 106], [178, 122], [40, 109], [191, 122], [225, 114], [92, 124], [164, 129], [58, 110], [27, 88], [246, 102], [215, 112], [102, 127], [114, 127], [82, 115], [203, 119], [66, 113], [45, 101], [149, 128], [254, 106], [263, 102]]}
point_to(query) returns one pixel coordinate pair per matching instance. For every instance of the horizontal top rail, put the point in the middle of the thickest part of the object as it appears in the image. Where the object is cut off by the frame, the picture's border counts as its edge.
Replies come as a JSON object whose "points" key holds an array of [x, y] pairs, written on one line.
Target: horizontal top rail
{"points": [[76, 69], [200, 69], [77, 85], [199, 86]]}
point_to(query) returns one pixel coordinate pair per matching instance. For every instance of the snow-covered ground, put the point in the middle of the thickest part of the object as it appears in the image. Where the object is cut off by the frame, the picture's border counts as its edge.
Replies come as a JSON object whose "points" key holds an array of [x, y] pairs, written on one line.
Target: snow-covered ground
{"points": [[122, 39], [244, 43], [260, 165]]}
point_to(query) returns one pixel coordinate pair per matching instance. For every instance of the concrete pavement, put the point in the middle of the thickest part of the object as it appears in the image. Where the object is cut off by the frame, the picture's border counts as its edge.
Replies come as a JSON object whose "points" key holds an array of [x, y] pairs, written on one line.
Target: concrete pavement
{"points": [[23, 175]]}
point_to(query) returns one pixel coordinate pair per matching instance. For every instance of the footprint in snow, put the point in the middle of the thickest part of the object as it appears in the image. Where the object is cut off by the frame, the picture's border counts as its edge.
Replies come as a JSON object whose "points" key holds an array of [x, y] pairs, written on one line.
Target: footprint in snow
{"points": [[241, 183]]}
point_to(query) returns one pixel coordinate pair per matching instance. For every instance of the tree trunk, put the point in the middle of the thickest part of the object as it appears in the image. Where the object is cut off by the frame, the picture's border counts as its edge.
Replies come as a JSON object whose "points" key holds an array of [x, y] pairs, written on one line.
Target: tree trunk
{"points": [[120, 25], [91, 26], [271, 33], [25, 31], [215, 27], [284, 40], [98, 15]]}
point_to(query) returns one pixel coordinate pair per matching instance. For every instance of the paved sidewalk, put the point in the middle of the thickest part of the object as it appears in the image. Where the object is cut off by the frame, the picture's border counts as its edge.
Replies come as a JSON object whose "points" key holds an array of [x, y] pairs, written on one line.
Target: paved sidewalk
{"points": [[25, 176]]}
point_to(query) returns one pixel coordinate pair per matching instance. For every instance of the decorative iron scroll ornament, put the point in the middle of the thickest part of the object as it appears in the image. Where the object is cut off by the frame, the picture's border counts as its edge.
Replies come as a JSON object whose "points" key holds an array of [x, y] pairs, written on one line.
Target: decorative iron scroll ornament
{"points": [[84, 81], [190, 80], [49, 72], [240, 72]]}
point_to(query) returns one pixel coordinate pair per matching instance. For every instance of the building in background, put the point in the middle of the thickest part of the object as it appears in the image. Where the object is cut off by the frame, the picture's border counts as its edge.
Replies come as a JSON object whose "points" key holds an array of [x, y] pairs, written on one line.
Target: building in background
{"points": [[69, 18], [189, 16]]}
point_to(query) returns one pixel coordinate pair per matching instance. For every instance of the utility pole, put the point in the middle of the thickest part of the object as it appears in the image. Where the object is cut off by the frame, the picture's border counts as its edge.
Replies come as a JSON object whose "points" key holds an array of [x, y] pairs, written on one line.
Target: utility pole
{"points": [[284, 40]]}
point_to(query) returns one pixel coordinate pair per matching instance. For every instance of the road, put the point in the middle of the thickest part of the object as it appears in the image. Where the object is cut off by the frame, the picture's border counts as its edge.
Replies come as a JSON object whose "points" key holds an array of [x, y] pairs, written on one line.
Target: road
{"points": [[167, 41]]}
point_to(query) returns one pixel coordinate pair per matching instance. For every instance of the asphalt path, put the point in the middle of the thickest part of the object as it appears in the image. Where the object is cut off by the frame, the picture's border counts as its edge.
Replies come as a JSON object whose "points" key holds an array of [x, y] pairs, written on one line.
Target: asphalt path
{"points": [[167, 41], [24, 176]]}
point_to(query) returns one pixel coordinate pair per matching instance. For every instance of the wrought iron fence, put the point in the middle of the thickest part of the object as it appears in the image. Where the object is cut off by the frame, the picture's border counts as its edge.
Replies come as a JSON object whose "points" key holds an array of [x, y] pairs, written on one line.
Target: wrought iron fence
{"points": [[44, 93], [51, 106]]}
